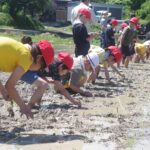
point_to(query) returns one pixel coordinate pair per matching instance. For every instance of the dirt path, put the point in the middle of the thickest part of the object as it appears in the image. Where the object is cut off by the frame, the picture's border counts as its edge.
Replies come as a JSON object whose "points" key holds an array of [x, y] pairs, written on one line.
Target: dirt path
{"points": [[116, 118]]}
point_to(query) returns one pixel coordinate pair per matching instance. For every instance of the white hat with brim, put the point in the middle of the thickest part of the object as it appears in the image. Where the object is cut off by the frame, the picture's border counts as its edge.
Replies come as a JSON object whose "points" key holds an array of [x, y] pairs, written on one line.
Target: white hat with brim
{"points": [[147, 43], [93, 59]]}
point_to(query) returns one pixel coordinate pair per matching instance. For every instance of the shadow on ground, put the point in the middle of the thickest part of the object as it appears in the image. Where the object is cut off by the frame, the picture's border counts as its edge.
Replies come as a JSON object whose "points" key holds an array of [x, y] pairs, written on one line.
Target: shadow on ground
{"points": [[25, 139]]}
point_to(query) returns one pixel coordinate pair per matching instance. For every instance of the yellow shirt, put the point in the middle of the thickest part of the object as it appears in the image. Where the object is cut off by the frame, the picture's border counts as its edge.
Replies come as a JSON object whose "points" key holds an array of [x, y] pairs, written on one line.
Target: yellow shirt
{"points": [[100, 52], [140, 48], [13, 54]]}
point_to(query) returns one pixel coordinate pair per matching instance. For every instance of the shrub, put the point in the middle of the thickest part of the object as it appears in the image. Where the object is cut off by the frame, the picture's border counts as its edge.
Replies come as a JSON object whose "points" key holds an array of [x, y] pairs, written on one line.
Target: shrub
{"points": [[6, 19], [27, 22], [5, 8]]}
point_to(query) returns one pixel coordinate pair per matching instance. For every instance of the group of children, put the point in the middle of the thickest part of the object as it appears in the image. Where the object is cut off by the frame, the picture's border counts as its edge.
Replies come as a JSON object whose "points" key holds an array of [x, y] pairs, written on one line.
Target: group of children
{"points": [[33, 62], [116, 47]]}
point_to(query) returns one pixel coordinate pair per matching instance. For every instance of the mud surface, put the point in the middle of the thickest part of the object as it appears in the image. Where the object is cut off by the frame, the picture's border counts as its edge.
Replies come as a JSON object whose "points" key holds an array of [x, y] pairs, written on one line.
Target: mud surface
{"points": [[117, 117]]}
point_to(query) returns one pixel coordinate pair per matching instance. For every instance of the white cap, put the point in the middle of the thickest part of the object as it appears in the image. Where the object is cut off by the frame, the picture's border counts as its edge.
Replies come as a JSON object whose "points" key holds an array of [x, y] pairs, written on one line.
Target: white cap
{"points": [[93, 59], [147, 43]]}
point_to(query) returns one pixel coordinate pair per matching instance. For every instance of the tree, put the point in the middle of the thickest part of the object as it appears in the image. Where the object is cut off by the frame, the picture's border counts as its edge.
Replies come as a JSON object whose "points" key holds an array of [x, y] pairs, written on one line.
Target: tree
{"points": [[136, 4], [26, 7], [144, 12]]}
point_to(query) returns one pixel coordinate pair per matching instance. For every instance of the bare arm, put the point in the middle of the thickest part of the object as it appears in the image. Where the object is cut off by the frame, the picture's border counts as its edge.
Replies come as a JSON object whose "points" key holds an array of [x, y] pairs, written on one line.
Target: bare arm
{"points": [[92, 36], [63, 91], [115, 69], [92, 77], [4, 92], [79, 90], [10, 86], [106, 73]]}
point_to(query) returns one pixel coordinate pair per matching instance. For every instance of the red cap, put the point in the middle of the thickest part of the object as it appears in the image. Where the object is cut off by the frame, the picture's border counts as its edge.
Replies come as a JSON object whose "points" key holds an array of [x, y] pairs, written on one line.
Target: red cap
{"points": [[47, 51], [114, 22], [134, 20], [85, 12], [66, 58], [116, 53], [123, 25]]}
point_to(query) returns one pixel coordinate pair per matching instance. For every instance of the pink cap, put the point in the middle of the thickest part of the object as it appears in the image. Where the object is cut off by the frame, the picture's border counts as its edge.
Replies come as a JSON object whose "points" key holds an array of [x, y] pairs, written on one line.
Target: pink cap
{"points": [[134, 20], [66, 58], [123, 25], [114, 22], [85, 12], [47, 51]]}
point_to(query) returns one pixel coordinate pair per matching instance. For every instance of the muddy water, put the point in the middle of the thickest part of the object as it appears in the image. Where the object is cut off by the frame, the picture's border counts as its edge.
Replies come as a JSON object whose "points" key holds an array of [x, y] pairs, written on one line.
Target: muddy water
{"points": [[116, 118]]}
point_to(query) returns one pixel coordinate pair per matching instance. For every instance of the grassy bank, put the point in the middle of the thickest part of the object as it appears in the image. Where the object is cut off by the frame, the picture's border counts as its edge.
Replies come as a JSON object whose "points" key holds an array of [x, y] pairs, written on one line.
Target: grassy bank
{"points": [[58, 43]]}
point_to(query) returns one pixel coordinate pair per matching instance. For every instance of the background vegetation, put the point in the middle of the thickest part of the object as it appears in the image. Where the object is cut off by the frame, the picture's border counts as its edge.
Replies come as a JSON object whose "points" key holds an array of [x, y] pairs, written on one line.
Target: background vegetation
{"points": [[25, 14]]}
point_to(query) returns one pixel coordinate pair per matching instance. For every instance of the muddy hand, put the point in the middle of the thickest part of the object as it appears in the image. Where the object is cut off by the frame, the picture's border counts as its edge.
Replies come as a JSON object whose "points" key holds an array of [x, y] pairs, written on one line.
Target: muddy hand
{"points": [[123, 76], [10, 109], [110, 82], [77, 103], [88, 94], [27, 111], [5, 94]]}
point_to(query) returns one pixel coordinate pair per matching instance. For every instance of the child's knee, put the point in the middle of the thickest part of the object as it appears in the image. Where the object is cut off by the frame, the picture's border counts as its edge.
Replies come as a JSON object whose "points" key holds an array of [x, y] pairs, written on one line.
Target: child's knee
{"points": [[43, 85]]}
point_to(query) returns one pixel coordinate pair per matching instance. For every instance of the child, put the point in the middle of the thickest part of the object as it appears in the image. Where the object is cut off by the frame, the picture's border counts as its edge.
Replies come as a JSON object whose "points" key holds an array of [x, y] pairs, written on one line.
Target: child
{"points": [[110, 33], [104, 23], [142, 50], [60, 67], [122, 26], [147, 43], [26, 40], [80, 35], [78, 75], [18, 59], [107, 58], [129, 35]]}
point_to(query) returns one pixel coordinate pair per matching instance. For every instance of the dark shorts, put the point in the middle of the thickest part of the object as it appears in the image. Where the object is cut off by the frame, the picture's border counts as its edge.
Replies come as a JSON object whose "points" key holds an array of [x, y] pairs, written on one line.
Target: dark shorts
{"points": [[82, 50], [126, 50], [29, 77], [132, 51]]}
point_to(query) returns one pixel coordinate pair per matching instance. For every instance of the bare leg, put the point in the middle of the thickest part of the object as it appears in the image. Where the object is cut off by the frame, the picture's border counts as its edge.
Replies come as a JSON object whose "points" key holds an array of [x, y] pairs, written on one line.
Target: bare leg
{"points": [[94, 75], [41, 85], [126, 63], [136, 59], [142, 58]]}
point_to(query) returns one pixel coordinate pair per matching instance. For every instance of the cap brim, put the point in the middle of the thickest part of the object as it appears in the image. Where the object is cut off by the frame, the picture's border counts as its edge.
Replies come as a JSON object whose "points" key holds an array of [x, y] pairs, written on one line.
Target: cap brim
{"points": [[133, 22]]}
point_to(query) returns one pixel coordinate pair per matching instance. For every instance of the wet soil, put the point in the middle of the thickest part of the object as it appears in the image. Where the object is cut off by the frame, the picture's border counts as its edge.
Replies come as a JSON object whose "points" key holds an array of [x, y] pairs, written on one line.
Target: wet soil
{"points": [[117, 117]]}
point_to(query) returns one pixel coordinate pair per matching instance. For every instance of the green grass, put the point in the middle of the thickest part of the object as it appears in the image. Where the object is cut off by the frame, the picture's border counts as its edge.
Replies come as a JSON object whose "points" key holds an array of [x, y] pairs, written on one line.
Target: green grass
{"points": [[58, 42], [66, 28]]}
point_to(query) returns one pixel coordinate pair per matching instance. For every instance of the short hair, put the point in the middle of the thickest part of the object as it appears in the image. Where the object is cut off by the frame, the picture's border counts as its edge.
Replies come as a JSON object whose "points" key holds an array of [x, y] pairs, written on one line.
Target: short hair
{"points": [[64, 66], [35, 51], [26, 40]]}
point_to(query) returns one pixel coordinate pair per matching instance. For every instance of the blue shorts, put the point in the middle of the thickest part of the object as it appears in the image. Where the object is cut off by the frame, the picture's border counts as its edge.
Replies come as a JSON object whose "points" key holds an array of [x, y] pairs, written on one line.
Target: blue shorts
{"points": [[29, 77]]}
